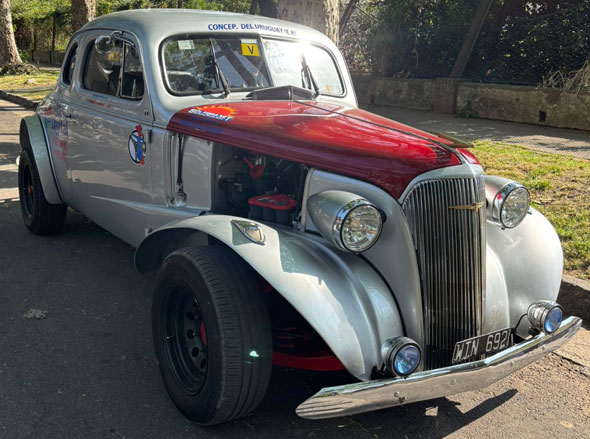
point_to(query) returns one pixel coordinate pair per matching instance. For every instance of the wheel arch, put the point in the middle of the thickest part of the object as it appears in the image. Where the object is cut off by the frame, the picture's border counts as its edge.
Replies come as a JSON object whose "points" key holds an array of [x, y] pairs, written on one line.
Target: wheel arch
{"points": [[32, 134], [340, 295]]}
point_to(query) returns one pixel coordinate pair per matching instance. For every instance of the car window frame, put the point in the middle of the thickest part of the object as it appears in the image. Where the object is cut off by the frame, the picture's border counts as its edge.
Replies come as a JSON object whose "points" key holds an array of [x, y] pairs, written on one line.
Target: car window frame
{"points": [[259, 37], [87, 53], [70, 52]]}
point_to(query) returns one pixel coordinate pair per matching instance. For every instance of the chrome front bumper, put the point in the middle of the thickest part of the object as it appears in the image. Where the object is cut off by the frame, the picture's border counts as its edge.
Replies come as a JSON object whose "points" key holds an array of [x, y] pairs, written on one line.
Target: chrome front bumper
{"points": [[366, 396]]}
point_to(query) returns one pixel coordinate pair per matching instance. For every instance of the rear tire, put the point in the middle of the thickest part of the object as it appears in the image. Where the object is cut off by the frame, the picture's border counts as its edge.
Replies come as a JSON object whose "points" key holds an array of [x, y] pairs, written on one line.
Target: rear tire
{"points": [[212, 334], [39, 216]]}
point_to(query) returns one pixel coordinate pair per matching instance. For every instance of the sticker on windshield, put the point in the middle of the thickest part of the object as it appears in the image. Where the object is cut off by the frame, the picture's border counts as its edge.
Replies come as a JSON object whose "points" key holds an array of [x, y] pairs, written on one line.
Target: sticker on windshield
{"points": [[186, 44], [137, 146], [250, 48]]}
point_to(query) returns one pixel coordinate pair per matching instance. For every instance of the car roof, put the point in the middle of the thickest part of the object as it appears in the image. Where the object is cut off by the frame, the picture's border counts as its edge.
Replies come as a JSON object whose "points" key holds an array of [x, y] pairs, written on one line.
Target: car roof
{"points": [[154, 25]]}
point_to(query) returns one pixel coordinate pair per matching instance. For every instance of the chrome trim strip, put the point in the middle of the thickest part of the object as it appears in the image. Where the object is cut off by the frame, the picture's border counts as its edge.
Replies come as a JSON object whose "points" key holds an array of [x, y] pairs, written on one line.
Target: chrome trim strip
{"points": [[351, 399], [458, 171]]}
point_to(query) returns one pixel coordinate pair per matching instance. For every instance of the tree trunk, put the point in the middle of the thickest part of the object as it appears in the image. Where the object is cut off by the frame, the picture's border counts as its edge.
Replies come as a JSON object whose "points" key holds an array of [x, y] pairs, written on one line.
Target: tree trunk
{"points": [[323, 15], [82, 12], [268, 8], [8, 51], [253, 6]]}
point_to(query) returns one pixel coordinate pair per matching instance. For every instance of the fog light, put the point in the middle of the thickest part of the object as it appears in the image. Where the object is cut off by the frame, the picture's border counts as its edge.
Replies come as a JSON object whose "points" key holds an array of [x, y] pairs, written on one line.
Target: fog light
{"points": [[553, 320], [545, 316], [402, 355]]}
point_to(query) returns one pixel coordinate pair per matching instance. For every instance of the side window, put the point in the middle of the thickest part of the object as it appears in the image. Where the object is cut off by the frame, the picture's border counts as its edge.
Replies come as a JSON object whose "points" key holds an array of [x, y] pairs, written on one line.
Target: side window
{"points": [[132, 83], [103, 68], [69, 66]]}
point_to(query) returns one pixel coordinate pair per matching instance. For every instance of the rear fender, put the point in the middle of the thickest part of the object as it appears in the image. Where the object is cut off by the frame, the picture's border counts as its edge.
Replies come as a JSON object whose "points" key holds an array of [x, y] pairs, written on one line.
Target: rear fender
{"points": [[338, 293], [32, 134]]}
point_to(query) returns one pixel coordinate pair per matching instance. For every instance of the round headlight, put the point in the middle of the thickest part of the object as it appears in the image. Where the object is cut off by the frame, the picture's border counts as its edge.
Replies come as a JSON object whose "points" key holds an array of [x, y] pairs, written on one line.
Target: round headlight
{"points": [[545, 316], [402, 355], [511, 204], [358, 226]]}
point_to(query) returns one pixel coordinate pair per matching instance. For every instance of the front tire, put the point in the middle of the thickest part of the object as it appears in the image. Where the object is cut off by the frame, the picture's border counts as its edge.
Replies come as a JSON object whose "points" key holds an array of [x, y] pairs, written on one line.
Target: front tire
{"points": [[212, 334], [40, 217]]}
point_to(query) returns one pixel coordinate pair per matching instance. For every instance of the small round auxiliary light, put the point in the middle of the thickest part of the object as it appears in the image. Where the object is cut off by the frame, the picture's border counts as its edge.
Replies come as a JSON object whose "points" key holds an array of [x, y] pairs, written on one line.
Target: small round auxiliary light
{"points": [[545, 316], [402, 355]]}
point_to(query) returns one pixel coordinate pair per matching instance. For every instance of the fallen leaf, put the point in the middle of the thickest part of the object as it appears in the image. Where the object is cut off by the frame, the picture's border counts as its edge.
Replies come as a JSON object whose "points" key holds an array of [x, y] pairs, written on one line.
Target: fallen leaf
{"points": [[36, 314]]}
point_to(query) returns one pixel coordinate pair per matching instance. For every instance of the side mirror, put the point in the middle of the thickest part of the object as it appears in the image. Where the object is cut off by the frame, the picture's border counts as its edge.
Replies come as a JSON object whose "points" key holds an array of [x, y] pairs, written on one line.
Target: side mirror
{"points": [[104, 44]]}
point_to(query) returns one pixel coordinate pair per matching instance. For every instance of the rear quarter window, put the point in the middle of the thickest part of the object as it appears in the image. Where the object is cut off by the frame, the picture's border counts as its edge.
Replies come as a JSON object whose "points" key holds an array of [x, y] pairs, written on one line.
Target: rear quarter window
{"points": [[69, 66]]}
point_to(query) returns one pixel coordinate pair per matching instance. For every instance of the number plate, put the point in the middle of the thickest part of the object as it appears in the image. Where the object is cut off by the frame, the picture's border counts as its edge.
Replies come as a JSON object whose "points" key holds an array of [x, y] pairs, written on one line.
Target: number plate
{"points": [[484, 344]]}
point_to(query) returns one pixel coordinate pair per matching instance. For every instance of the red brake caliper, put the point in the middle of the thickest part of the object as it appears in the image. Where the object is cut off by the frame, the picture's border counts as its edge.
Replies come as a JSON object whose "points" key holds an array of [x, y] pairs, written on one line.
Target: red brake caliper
{"points": [[203, 333]]}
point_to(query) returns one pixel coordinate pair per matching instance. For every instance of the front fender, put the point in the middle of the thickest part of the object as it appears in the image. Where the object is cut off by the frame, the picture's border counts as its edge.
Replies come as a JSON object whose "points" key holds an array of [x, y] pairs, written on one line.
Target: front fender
{"points": [[338, 293], [524, 265], [31, 133]]}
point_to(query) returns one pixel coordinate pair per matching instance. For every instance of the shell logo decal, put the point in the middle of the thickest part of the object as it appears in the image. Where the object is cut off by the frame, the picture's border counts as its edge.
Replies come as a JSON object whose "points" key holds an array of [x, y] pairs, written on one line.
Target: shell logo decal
{"points": [[217, 112]]}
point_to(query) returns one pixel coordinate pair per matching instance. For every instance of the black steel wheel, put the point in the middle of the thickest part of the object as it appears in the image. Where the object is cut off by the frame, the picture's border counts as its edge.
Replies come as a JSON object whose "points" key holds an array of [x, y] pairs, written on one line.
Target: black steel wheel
{"points": [[26, 193], [185, 333], [39, 216], [212, 334]]}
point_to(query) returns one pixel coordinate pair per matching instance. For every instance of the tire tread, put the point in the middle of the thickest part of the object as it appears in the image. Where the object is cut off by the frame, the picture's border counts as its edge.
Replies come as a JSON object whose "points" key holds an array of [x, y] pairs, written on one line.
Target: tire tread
{"points": [[243, 322]]}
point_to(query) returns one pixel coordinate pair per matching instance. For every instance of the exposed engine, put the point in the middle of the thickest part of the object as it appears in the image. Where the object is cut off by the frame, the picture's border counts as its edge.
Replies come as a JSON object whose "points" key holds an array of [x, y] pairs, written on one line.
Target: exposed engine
{"points": [[259, 187]]}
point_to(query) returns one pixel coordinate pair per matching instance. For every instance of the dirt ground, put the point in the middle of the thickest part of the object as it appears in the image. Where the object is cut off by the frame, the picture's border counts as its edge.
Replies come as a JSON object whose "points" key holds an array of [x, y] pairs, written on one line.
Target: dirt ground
{"points": [[76, 358]]}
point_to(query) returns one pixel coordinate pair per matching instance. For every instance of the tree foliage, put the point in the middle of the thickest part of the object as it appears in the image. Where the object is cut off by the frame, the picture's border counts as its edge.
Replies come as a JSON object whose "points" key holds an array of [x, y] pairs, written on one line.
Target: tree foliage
{"points": [[524, 42], [521, 41], [418, 38], [33, 10]]}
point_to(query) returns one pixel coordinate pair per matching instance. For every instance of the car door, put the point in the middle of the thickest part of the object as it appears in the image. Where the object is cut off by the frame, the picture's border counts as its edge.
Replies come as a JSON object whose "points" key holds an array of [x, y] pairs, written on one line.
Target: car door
{"points": [[54, 114], [108, 134]]}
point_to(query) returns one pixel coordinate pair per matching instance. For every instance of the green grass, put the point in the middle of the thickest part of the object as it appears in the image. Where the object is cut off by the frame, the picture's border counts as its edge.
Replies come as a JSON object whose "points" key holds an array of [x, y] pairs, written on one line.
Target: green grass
{"points": [[560, 189], [43, 78], [34, 95]]}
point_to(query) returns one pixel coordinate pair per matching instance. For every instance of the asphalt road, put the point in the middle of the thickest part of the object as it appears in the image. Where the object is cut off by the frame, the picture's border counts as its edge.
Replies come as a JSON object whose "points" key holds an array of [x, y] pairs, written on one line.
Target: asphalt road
{"points": [[87, 369]]}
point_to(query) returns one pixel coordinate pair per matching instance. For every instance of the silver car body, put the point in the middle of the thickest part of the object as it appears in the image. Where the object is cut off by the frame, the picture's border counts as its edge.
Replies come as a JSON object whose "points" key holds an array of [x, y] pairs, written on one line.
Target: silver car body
{"points": [[355, 303]]}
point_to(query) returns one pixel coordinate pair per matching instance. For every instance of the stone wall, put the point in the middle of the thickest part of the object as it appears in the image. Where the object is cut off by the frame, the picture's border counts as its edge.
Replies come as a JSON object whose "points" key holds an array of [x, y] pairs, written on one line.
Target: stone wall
{"points": [[416, 94], [548, 107]]}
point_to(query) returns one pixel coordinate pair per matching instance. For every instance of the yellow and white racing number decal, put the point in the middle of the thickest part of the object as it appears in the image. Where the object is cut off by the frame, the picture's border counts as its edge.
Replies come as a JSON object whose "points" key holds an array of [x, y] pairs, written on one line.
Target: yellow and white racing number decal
{"points": [[250, 48]]}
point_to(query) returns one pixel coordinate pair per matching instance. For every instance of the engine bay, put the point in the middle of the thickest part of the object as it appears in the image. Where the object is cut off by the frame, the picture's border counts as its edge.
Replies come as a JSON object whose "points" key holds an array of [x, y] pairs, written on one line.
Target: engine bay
{"points": [[259, 187]]}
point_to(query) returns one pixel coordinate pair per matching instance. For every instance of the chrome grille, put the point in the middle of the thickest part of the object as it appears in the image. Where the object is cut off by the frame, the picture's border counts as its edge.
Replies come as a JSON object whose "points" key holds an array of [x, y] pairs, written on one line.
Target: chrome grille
{"points": [[450, 247]]}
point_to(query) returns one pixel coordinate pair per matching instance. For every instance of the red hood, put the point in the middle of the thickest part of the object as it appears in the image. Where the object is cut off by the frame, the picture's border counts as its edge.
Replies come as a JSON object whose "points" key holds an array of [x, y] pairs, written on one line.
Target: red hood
{"points": [[344, 140]]}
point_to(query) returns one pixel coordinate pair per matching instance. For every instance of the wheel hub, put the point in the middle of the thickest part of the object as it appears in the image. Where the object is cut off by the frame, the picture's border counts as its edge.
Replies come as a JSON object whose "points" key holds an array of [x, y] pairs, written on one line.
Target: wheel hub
{"points": [[186, 340]]}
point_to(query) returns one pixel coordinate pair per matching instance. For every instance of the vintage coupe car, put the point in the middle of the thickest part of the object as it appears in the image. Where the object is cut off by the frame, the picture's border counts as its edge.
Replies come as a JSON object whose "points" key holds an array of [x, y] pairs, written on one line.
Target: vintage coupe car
{"points": [[288, 226]]}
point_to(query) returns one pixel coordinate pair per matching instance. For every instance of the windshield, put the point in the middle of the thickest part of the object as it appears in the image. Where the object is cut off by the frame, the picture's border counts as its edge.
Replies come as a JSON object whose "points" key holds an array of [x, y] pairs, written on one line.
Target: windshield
{"points": [[246, 64]]}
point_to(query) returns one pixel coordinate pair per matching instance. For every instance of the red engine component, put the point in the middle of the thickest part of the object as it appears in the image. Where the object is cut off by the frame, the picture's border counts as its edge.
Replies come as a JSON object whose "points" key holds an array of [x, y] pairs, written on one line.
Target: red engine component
{"points": [[272, 208]]}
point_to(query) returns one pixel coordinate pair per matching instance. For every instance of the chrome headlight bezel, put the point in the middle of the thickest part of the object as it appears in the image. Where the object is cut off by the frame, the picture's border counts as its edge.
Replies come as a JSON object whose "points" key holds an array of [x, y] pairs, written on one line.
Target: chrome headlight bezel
{"points": [[344, 214], [499, 200]]}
